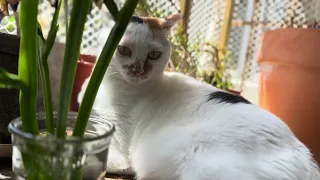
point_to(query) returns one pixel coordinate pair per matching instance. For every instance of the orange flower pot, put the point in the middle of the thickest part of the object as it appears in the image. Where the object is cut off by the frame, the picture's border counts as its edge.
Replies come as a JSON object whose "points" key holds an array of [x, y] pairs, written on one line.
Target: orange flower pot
{"points": [[234, 92], [289, 61], [84, 69]]}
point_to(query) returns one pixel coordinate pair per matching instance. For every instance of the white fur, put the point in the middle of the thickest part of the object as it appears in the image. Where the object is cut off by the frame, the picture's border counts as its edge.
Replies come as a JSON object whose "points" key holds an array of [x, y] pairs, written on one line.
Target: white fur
{"points": [[167, 130]]}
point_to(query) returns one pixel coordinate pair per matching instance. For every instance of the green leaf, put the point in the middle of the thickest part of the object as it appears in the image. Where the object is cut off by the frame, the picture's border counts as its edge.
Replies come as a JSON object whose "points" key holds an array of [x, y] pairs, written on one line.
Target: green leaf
{"points": [[112, 7], [52, 32], [74, 36], [9, 80], [27, 71], [44, 49], [45, 80], [99, 71]]}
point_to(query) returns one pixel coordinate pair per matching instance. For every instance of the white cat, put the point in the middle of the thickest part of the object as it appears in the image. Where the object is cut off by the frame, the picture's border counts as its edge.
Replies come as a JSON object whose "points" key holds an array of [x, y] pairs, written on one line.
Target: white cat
{"points": [[172, 127]]}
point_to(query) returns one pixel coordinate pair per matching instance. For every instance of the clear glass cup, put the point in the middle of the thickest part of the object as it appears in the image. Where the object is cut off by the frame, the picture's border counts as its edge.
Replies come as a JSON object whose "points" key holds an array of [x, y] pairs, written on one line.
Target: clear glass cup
{"points": [[47, 157]]}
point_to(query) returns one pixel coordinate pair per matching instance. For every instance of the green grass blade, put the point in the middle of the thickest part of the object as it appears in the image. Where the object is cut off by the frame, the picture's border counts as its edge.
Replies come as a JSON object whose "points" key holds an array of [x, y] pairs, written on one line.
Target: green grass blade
{"points": [[72, 51], [123, 19], [27, 70]]}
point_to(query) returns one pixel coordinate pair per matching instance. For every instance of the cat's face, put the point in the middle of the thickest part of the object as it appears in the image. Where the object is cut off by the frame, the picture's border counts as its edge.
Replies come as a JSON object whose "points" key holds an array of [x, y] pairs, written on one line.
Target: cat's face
{"points": [[144, 49]]}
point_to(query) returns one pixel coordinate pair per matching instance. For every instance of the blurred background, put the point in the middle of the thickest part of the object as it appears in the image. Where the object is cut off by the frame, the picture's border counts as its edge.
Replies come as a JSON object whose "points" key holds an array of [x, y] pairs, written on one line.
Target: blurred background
{"points": [[216, 42]]}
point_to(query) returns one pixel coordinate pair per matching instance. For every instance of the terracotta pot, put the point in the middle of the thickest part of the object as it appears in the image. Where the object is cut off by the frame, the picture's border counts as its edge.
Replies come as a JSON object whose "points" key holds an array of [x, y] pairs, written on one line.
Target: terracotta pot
{"points": [[289, 62], [84, 69], [234, 92]]}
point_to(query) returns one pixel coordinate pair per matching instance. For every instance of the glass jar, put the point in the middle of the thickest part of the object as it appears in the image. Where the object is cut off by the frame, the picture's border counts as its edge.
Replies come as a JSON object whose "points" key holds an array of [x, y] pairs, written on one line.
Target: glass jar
{"points": [[47, 157]]}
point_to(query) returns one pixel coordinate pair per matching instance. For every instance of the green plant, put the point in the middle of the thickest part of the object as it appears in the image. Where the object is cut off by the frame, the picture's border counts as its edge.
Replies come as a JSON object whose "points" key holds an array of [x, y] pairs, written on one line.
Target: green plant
{"points": [[185, 57], [34, 51], [218, 75], [184, 53]]}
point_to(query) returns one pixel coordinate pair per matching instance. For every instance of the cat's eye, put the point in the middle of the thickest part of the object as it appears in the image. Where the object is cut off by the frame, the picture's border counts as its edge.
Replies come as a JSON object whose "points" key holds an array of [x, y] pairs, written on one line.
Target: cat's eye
{"points": [[124, 50], [153, 55]]}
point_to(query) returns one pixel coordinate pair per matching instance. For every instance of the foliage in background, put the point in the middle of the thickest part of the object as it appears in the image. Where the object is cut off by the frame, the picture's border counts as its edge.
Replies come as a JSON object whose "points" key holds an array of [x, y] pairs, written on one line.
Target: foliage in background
{"points": [[185, 54], [218, 75]]}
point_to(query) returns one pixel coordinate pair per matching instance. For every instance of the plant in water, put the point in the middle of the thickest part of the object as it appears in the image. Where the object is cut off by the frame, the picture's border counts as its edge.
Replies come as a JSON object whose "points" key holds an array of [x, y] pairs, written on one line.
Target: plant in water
{"points": [[52, 155]]}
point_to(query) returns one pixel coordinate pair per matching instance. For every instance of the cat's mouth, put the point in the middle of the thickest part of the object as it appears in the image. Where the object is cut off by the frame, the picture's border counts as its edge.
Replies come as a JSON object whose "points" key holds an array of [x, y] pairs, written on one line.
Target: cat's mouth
{"points": [[135, 80], [142, 76]]}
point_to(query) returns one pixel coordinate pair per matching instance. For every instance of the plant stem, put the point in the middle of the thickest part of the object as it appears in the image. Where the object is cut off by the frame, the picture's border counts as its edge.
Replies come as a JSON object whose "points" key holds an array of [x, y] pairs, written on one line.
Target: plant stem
{"points": [[112, 7], [122, 21], [78, 18], [27, 70], [66, 14], [44, 69], [52, 33], [45, 80]]}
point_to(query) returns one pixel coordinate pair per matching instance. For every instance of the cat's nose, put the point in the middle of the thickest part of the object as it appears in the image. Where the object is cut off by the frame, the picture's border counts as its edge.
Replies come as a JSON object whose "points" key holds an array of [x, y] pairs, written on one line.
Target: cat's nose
{"points": [[137, 71], [137, 68]]}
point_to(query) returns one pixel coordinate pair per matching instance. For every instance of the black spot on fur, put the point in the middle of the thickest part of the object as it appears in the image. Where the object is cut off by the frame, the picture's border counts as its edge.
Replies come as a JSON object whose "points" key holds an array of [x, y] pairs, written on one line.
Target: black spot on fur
{"points": [[223, 97], [136, 19]]}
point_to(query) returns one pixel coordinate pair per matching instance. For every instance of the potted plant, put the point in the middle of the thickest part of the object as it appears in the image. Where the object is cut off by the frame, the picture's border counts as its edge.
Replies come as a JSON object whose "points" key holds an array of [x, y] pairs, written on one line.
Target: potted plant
{"points": [[60, 145], [84, 68], [289, 67], [219, 75]]}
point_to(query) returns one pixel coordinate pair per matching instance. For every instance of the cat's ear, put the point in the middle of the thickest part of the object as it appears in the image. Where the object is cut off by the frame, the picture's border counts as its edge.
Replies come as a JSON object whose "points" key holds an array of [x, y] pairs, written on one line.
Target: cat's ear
{"points": [[172, 20]]}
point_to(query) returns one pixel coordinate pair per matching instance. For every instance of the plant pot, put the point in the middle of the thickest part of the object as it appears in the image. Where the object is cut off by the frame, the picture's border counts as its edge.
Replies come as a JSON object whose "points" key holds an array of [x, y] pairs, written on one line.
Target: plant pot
{"points": [[289, 61], [50, 158], [9, 98], [234, 92], [84, 69]]}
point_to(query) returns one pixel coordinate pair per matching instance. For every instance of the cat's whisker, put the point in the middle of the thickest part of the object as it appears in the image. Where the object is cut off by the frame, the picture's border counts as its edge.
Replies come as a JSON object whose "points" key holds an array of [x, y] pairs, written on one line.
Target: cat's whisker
{"points": [[111, 68], [109, 74]]}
